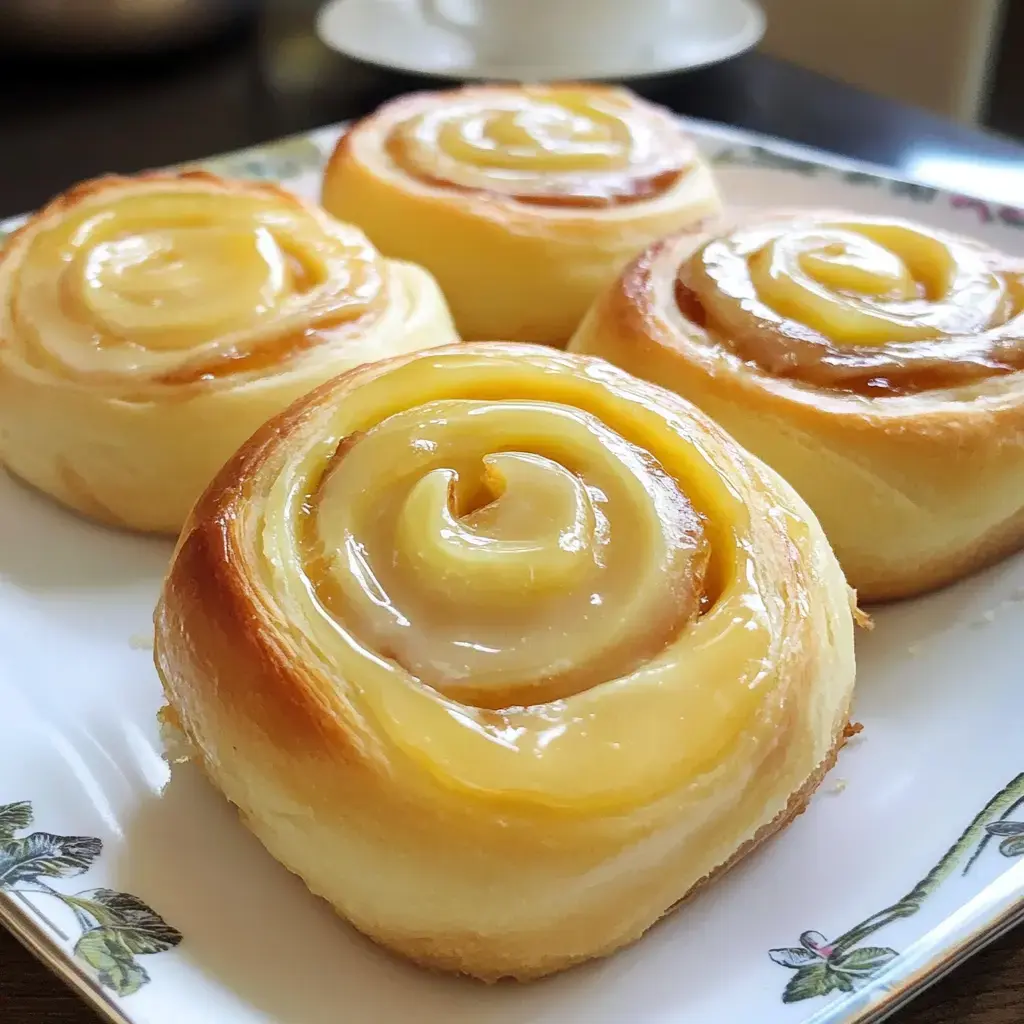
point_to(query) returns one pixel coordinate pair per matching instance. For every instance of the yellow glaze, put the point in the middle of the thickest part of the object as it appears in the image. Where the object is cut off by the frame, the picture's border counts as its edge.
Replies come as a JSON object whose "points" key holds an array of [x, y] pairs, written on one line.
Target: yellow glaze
{"points": [[574, 754], [579, 559], [561, 143], [156, 279], [523, 201], [494, 611], [875, 362], [149, 325], [863, 282]]}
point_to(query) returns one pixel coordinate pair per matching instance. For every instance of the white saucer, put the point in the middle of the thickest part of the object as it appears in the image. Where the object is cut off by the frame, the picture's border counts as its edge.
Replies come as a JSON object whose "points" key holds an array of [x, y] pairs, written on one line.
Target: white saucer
{"points": [[392, 34]]}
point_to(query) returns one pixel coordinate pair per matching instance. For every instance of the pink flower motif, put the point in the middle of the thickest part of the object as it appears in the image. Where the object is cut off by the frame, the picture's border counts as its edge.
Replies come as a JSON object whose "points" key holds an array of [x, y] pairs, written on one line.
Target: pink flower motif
{"points": [[983, 209]]}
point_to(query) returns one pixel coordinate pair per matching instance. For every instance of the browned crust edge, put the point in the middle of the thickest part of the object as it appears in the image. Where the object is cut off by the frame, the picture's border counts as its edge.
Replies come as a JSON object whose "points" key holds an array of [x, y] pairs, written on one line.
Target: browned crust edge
{"points": [[198, 575], [631, 315]]}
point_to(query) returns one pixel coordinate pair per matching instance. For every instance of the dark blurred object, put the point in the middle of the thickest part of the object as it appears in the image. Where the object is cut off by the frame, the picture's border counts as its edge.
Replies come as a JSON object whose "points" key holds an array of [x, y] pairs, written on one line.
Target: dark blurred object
{"points": [[1005, 111], [115, 26]]}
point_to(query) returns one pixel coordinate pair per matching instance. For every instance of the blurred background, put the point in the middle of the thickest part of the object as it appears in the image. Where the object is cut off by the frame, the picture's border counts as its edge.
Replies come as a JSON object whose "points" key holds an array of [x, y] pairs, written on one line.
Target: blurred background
{"points": [[958, 58], [129, 84]]}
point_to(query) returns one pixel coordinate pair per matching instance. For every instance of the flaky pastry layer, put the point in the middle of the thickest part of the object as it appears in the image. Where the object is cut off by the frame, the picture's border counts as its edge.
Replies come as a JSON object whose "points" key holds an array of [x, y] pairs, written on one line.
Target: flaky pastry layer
{"points": [[149, 325], [492, 829], [906, 438], [523, 202]]}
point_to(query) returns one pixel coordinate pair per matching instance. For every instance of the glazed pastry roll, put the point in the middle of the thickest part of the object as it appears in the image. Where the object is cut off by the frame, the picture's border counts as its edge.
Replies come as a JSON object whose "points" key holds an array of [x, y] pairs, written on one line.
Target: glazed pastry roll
{"points": [[523, 201], [875, 363], [149, 325], [504, 651]]}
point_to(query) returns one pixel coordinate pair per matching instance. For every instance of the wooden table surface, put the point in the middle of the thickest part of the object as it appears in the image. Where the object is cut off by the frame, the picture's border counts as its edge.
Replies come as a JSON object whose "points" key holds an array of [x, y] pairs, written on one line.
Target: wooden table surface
{"points": [[61, 121]]}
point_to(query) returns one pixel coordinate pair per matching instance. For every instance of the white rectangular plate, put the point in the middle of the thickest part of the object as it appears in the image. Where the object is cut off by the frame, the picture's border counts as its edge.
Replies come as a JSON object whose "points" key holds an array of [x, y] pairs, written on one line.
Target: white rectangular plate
{"points": [[909, 857]]}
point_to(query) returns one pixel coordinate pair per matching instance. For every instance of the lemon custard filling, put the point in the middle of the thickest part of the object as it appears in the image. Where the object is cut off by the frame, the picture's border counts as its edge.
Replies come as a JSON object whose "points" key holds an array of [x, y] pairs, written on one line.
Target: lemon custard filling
{"points": [[871, 305], [163, 285], [532, 582], [545, 145]]}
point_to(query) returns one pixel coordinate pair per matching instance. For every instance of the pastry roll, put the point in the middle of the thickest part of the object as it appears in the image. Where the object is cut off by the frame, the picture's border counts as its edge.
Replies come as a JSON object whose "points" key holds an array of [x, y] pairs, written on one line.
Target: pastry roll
{"points": [[875, 363], [504, 651], [149, 325], [523, 201]]}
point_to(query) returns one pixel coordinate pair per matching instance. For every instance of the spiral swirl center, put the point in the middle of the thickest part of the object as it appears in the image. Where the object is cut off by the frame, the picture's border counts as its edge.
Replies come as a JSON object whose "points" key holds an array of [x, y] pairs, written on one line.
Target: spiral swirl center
{"points": [[846, 261], [544, 144], [188, 281], [505, 554], [177, 285], [564, 136], [862, 282], [534, 533]]}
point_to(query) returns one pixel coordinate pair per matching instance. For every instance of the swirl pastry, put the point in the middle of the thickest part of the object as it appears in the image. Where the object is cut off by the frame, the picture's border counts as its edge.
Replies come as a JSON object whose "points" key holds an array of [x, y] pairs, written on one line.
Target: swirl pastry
{"points": [[149, 325], [503, 651], [871, 361], [524, 202]]}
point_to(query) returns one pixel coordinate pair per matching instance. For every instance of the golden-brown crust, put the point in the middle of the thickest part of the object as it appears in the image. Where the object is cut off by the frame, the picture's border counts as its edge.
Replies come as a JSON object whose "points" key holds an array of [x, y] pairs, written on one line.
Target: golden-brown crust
{"points": [[488, 250], [914, 490], [127, 434], [319, 778], [206, 577]]}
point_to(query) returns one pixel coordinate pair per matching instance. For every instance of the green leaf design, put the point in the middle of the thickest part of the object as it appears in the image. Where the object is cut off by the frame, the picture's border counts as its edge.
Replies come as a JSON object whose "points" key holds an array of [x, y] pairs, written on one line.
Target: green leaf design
{"points": [[769, 158], [730, 155], [105, 952], [865, 960], [139, 927], [843, 982], [117, 926], [810, 982], [862, 178], [793, 957], [844, 964], [44, 854], [1005, 828], [919, 193], [1012, 847], [14, 817], [1013, 844], [843, 973]]}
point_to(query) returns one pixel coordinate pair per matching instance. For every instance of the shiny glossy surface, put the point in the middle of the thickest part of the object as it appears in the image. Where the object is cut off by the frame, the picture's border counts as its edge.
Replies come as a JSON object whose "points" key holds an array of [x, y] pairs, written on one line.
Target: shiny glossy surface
{"points": [[563, 145], [179, 281], [67, 121], [589, 694], [876, 305], [88, 754], [505, 553]]}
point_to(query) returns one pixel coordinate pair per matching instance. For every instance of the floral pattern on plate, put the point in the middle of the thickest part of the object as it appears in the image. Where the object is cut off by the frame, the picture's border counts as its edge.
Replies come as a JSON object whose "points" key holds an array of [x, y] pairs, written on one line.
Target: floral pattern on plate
{"points": [[116, 926], [852, 977], [842, 965]]}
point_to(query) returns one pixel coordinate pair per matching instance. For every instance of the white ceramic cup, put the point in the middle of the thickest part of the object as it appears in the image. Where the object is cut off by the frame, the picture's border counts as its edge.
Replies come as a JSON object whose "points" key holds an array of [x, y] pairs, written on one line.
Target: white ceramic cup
{"points": [[528, 33]]}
